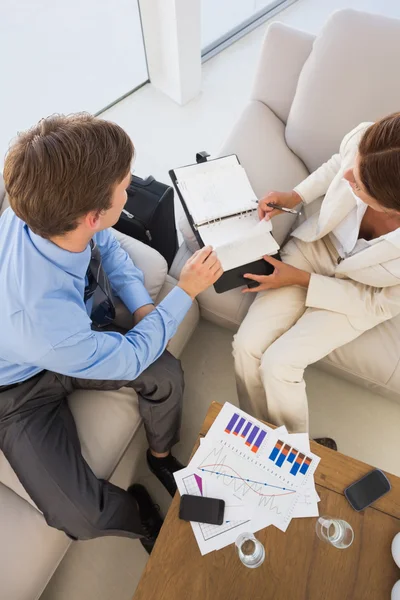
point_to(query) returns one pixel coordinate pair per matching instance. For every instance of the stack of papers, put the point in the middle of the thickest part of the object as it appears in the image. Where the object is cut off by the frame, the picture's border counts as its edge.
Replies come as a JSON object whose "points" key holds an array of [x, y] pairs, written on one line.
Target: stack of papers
{"points": [[265, 476]]}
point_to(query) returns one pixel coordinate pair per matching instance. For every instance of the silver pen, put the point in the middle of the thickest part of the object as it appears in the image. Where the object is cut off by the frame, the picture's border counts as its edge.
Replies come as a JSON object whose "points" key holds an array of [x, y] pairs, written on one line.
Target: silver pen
{"points": [[282, 208]]}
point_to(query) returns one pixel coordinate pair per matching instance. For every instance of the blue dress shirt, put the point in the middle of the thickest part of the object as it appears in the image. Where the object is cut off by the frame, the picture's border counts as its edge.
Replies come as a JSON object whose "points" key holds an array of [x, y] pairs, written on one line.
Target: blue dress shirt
{"points": [[44, 323]]}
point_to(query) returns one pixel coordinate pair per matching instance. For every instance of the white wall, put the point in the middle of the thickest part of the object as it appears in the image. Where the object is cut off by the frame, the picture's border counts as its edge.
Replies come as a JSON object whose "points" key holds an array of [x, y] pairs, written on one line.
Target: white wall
{"points": [[65, 56]]}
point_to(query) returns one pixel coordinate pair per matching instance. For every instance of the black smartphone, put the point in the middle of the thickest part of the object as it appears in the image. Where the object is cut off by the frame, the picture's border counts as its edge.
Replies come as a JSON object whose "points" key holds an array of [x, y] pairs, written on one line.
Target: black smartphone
{"points": [[203, 510], [366, 490]]}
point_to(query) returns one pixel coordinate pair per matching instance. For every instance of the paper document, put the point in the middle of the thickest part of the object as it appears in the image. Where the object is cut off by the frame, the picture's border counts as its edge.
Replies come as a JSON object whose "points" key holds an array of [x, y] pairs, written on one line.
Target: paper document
{"points": [[216, 189], [223, 206], [252, 245], [264, 475]]}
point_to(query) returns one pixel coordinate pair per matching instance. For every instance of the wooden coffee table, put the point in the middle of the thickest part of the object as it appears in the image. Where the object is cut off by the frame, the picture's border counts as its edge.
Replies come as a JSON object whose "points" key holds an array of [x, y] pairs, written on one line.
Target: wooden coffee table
{"points": [[298, 566]]}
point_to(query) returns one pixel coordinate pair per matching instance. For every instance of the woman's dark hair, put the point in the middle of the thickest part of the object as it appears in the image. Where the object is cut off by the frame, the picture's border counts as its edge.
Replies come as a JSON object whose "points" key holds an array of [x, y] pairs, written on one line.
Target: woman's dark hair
{"points": [[379, 161]]}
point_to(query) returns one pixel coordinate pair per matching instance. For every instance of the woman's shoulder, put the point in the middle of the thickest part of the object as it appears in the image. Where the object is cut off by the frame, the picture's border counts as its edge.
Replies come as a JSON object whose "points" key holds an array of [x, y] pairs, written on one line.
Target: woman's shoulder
{"points": [[352, 139]]}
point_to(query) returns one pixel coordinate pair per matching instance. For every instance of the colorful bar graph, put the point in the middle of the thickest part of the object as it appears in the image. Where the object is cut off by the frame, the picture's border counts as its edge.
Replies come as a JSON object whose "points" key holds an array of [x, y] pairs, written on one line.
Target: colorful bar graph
{"points": [[258, 441], [276, 449], [246, 430], [252, 435], [292, 455], [305, 465], [297, 464], [283, 455], [231, 423], [239, 426]]}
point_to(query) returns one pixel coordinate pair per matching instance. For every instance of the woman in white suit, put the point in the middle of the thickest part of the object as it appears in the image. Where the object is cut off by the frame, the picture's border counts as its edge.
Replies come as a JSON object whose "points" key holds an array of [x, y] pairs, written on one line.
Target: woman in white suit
{"points": [[340, 274]]}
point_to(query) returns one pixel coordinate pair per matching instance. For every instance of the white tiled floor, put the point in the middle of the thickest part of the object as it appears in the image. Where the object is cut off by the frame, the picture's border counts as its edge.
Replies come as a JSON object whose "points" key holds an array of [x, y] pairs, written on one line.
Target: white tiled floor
{"points": [[168, 135]]}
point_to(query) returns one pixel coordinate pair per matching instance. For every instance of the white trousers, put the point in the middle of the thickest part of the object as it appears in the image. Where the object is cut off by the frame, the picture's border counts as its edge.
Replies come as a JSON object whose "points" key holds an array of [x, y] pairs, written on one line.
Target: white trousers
{"points": [[280, 337]]}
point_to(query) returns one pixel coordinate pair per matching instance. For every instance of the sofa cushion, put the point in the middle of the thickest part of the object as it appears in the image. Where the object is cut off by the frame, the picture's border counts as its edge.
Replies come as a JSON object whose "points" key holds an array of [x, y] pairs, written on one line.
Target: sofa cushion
{"points": [[378, 370], [149, 261], [29, 549], [349, 77], [258, 139], [106, 423]]}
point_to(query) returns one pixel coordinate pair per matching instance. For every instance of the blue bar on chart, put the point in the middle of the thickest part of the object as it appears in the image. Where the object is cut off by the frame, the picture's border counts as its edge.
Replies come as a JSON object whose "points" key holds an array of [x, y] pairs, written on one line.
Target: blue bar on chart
{"points": [[283, 455], [297, 464], [305, 465], [246, 430], [292, 455], [275, 450], [258, 441], [239, 426], [252, 435], [231, 423]]}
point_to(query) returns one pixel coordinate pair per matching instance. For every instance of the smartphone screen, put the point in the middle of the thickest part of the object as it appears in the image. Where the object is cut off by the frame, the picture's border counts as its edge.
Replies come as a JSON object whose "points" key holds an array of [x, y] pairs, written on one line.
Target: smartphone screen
{"points": [[203, 510], [364, 492]]}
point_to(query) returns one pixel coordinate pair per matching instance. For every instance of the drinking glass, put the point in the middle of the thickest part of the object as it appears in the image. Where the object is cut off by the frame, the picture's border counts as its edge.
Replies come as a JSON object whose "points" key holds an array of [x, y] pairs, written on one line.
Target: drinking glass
{"points": [[250, 550], [336, 532]]}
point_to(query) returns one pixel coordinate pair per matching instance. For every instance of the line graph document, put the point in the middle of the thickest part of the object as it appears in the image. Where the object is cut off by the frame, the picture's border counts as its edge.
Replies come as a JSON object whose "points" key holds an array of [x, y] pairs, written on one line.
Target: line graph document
{"points": [[247, 481]]}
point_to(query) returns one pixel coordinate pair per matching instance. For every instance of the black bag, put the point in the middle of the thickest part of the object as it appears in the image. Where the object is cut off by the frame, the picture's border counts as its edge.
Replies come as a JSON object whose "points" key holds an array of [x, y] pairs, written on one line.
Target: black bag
{"points": [[149, 216]]}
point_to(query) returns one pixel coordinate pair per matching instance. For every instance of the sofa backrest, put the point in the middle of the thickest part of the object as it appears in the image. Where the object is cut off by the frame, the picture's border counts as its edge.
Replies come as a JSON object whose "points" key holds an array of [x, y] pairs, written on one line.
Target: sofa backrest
{"points": [[350, 76]]}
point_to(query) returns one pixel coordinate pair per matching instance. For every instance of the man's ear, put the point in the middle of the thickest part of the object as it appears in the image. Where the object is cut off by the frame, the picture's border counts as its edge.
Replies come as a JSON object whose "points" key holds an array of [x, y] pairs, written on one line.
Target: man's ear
{"points": [[92, 220]]}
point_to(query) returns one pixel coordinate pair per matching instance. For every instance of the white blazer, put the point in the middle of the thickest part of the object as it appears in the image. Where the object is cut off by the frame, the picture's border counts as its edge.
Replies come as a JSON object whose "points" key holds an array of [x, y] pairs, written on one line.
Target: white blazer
{"points": [[366, 285]]}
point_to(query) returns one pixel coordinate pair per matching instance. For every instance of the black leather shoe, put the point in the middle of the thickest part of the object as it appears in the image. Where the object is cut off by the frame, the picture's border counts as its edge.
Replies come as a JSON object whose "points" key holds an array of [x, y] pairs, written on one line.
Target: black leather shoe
{"points": [[327, 442], [163, 469], [149, 515]]}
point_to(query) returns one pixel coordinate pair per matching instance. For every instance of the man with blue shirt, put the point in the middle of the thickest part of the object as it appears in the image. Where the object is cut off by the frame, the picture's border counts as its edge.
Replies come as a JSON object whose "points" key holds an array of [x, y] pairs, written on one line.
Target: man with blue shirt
{"points": [[60, 266]]}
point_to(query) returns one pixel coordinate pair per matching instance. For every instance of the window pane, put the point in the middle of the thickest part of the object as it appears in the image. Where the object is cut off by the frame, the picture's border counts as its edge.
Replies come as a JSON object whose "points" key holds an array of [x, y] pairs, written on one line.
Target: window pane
{"points": [[66, 56], [220, 17]]}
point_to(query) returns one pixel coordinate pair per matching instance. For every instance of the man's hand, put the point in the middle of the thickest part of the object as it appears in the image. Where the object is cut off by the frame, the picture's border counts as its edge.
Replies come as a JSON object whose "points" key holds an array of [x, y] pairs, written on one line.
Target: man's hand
{"points": [[141, 312], [282, 276], [201, 270], [286, 199]]}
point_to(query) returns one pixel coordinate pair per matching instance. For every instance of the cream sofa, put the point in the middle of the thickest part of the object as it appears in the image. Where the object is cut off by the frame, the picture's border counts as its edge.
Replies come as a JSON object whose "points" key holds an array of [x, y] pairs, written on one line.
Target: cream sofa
{"points": [[109, 427], [308, 93]]}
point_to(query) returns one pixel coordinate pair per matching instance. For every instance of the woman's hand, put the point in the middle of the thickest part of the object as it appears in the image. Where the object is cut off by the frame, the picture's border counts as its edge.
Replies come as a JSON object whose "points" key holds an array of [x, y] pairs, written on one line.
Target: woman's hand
{"points": [[282, 276], [286, 199]]}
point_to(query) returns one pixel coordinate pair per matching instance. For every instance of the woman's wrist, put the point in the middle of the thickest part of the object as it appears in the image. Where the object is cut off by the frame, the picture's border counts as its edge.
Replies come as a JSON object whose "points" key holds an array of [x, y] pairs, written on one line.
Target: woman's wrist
{"points": [[303, 279], [297, 199]]}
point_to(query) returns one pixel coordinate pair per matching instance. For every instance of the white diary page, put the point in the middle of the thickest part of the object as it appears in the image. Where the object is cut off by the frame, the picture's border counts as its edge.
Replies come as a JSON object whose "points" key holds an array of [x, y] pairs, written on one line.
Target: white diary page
{"points": [[239, 240], [216, 189]]}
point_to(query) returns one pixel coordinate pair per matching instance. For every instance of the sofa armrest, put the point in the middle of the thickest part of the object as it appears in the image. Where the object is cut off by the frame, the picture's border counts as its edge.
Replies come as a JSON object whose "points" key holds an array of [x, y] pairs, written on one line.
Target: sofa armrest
{"points": [[283, 54], [149, 261]]}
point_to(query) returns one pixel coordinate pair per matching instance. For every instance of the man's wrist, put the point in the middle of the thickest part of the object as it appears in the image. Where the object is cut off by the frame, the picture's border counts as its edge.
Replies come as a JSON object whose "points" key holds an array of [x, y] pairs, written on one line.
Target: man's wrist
{"points": [[187, 291], [142, 312]]}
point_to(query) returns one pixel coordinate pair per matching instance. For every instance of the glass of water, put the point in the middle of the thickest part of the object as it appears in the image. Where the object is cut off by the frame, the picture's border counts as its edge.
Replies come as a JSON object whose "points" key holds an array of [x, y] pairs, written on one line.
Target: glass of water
{"points": [[250, 550], [336, 532]]}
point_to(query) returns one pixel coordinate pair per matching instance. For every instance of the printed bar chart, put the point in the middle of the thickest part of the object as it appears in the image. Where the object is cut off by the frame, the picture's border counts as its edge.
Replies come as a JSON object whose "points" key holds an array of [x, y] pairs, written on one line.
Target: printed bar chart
{"points": [[253, 435], [231, 423], [246, 430], [293, 461], [305, 466], [283, 455], [239, 426], [297, 464], [276, 450], [258, 441]]}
